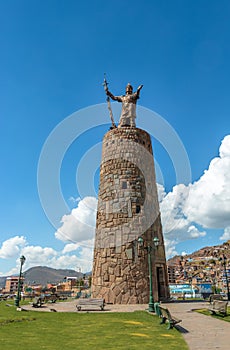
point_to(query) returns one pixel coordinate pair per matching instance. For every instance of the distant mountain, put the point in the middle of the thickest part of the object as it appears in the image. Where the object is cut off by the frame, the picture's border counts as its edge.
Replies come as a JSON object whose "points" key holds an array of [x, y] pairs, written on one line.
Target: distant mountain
{"points": [[43, 275]]}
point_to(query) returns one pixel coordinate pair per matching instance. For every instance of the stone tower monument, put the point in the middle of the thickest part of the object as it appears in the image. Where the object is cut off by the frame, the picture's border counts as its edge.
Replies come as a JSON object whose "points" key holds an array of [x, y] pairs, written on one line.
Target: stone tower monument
{"points": [[127, 266]]}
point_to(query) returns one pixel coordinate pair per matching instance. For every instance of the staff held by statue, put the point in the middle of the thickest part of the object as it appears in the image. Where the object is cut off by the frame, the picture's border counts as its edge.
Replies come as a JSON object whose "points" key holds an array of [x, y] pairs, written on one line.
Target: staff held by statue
{"points": [[108, 102]]}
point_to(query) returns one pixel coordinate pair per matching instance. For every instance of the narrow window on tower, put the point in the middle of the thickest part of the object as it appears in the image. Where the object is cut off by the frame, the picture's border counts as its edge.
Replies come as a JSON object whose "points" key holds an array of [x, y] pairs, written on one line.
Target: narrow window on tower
{"points": [[124, 185], [138, 209]]}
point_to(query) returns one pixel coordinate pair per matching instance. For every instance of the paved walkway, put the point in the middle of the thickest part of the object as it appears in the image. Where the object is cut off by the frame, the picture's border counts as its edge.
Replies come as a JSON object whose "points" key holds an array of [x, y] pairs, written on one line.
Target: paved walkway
{"points": [[200, 332]]}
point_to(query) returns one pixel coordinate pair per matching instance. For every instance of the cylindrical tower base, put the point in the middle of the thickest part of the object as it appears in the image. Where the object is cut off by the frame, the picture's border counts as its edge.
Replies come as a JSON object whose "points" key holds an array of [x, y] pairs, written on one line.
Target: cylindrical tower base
{"points": [[128, 209]]}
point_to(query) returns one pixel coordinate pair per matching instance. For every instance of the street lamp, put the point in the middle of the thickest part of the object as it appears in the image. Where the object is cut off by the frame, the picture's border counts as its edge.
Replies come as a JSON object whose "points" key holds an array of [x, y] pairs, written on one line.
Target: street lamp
{"points": [[149, 248], [224, 259], [18, 297]]}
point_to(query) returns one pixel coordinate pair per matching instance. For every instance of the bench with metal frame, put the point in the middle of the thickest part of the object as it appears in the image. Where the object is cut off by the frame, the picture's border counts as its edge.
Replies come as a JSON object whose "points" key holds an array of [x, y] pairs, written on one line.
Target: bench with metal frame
{"points": [[219, 306], [37, 302], [90, 303], [167, 317]]}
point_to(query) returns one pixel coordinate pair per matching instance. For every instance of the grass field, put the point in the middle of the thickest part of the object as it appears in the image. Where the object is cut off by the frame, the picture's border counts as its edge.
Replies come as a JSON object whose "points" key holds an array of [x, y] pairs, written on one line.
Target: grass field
{"points": [[54, 331], [220, 317]]}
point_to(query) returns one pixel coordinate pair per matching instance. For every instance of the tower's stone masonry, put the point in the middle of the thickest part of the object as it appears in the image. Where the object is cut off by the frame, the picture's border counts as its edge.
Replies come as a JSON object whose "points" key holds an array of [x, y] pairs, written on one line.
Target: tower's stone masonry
{"points": [[127, 209]]}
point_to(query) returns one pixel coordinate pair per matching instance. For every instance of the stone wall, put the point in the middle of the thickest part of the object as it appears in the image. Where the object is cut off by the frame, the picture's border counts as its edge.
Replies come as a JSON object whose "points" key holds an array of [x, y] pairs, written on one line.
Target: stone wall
{"points": [[127, 209]]}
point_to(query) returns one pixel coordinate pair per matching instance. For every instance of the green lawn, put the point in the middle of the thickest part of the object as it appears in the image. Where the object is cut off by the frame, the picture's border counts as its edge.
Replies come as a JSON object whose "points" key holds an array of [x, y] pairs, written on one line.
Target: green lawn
{"points": [[98, 331], [220, 317]]}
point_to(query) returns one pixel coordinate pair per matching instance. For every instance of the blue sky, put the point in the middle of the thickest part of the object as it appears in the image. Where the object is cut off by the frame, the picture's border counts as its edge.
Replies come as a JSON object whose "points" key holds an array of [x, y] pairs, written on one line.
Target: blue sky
{"points": [[53, 57]]}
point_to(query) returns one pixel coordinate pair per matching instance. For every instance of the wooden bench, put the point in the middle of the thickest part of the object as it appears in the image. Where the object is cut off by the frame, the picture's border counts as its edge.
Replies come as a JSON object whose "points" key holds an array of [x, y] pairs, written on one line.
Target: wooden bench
{"points": [[37, 302], [89, 303], [167, 317], [219, 306]]}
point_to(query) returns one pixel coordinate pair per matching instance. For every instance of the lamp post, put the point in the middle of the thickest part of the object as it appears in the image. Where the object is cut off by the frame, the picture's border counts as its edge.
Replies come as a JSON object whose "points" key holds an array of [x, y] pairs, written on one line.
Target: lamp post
{"points": [[149, 248], [224, 259], [18, 297]]}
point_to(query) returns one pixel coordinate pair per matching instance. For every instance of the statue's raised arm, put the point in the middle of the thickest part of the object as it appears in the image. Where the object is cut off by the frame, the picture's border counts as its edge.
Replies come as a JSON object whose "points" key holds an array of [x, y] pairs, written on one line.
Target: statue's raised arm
{"points": [[139, 89]]}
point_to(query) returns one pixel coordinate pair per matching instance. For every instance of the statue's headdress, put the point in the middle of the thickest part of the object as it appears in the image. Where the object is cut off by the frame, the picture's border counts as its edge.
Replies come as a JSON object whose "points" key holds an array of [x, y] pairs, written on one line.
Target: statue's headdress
{"points": [[129, 87]]}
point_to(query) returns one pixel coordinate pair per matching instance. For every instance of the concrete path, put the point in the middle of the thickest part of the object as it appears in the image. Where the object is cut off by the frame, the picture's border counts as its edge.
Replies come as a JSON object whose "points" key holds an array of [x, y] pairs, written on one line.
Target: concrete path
{"points": [[70, 306], [200, 332]]}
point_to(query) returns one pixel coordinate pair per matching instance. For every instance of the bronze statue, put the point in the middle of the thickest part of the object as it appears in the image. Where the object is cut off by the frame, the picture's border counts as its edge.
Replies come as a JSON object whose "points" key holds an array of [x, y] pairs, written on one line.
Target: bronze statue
{"points": [[129, 100]]}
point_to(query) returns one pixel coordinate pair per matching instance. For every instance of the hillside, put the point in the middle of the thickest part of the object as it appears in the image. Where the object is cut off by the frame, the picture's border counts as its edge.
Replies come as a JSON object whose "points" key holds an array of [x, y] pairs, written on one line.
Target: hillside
{"points": [[43, 275], [204, 265], [212, 252]]}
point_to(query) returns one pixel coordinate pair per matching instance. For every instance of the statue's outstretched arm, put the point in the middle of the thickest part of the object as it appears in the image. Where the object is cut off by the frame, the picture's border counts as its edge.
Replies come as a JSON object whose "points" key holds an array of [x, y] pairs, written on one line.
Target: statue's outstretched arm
{"points": [[139, 89], [115, 98]]}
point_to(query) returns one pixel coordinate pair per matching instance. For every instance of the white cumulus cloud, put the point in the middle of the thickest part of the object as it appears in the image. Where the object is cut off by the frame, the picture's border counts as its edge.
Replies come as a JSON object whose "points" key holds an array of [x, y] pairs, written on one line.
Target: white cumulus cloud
{"points": [[170, 247], [77, 228], [79, 225], [72, 262], [187, 211], [226, 234], [208, 203], [73, 256], [71, 247], [12, 246], [37, 255]]}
